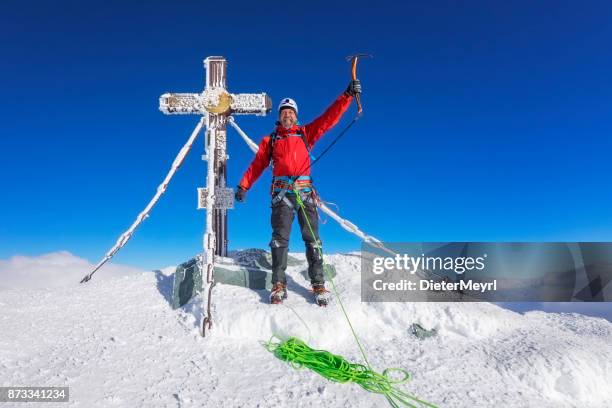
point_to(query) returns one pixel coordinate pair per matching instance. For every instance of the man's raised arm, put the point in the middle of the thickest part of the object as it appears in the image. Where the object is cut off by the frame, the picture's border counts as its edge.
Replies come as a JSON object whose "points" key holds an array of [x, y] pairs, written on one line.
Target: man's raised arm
{"points": [[258, 165], [315, 129]]}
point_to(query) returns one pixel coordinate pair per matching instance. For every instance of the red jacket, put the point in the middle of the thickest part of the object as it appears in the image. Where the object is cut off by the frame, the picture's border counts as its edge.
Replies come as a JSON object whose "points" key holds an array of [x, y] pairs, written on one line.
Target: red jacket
{"points": [[290, 155]]}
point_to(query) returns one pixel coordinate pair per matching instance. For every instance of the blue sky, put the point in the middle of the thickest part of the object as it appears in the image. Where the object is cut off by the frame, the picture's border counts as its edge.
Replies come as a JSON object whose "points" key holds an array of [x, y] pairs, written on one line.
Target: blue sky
{"points": [[484, 121]]}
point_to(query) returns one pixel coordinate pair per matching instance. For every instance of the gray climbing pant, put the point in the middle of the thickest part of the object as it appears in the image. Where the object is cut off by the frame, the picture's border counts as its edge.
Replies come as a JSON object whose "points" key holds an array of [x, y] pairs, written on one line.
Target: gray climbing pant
{"points": [[282, 219]]}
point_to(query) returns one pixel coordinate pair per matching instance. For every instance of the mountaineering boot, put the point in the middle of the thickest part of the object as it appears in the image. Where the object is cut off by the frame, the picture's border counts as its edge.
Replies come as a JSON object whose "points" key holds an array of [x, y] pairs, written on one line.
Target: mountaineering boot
{"points": [[279, 293], [321, 294]]}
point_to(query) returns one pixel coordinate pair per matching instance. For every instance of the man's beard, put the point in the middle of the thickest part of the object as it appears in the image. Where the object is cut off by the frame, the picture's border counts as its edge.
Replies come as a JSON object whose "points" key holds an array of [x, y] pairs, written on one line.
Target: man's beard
{"points": [[287, 123]]}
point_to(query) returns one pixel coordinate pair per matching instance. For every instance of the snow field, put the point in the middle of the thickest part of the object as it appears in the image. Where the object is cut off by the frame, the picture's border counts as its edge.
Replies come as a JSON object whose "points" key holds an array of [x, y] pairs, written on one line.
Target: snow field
{"points": [[116, 342]]}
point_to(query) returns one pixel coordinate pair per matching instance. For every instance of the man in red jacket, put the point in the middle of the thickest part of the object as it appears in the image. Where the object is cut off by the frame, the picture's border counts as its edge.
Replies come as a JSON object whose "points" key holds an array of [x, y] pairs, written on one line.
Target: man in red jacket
{"points": [[288, 147]]}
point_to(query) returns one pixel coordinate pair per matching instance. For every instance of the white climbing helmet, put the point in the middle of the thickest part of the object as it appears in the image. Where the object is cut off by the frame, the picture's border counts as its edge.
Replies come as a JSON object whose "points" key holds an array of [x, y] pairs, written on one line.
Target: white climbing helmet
{"points": [[288, 103]]}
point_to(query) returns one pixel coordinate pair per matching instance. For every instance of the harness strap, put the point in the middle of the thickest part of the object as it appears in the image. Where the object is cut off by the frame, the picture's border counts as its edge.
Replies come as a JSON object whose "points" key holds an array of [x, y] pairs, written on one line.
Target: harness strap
{"points": [[293, 184], [288, 202], [289, 184], [280, 196]]}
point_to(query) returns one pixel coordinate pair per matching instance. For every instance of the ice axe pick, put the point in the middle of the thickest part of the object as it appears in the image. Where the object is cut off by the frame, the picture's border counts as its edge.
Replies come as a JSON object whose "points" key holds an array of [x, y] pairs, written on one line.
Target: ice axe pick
{"points": [[354, 58]]}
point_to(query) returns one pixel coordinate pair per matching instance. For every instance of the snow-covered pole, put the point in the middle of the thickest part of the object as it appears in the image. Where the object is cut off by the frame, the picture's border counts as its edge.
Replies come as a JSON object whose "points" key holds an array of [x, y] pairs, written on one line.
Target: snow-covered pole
{"points": [[209, 244], [353, 229], [161, 189], [252, 145]]}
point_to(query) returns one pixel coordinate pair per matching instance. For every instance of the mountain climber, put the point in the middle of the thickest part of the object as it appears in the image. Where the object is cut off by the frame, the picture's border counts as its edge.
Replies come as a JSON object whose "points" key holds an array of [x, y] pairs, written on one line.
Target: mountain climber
{"points": [[288, 148]]}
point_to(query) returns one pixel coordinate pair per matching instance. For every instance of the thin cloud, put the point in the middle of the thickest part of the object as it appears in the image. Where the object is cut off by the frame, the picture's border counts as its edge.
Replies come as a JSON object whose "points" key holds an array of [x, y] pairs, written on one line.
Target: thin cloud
{"points": [[55, 269]]}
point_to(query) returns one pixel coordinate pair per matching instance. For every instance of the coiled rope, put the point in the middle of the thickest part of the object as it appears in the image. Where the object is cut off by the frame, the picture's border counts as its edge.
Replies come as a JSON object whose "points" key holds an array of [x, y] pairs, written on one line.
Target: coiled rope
{"points": [[337, 369]]}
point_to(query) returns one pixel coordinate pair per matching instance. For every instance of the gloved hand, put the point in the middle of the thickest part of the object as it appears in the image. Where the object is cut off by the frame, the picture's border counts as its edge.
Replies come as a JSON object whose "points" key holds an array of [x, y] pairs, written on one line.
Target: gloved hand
{"points": [[240, 194], [354, 87]]}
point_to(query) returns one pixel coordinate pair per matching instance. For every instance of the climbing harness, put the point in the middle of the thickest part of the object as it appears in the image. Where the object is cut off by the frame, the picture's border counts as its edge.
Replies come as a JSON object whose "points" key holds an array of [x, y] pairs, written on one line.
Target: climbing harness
{"points": [[283, 185]]}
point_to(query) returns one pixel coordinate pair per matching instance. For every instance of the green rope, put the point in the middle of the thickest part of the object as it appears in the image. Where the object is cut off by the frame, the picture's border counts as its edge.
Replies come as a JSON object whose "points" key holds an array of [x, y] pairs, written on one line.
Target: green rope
{"points": [[336, 368], [312, 234]]}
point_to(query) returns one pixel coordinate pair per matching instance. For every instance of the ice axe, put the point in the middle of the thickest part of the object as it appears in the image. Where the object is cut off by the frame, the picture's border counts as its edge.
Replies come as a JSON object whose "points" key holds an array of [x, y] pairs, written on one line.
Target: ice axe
{"points": [[354, 59]]}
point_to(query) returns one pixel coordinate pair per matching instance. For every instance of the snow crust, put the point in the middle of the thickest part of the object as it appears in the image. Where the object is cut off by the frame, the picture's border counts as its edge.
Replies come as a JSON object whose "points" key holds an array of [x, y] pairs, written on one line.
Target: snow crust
{"points": [[116, 342]]}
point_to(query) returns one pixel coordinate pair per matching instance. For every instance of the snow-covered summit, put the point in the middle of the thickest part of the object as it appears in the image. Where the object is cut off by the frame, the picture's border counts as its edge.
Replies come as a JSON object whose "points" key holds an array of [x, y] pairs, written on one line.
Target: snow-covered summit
{"points": [[117, 342]]}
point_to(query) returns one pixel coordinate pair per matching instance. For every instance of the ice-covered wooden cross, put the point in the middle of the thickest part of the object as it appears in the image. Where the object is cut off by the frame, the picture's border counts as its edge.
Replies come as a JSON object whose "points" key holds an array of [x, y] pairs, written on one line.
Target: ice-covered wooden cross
{"points": [[216, 104]]}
